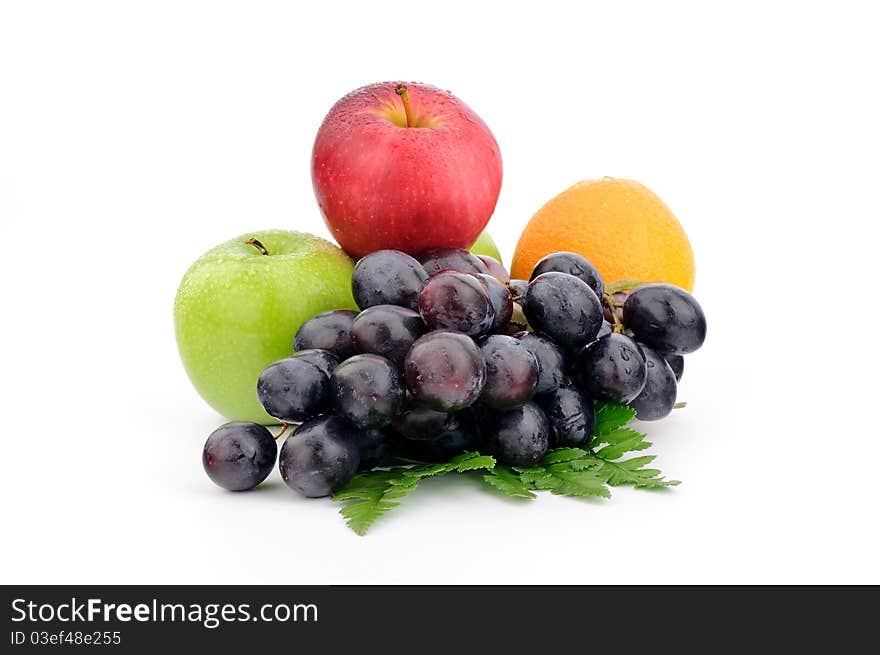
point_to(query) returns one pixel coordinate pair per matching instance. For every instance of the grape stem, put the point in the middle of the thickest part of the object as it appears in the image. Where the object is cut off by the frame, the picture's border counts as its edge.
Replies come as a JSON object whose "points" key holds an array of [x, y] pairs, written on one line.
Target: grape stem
{"points": [[256, 244], [284, 427], [515, 295], [621, 286], [611, 305], [403, 92]]}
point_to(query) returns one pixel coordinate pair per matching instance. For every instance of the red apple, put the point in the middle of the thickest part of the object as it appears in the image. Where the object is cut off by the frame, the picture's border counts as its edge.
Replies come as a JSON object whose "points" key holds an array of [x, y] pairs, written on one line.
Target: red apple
{"points": [[405, 166]]}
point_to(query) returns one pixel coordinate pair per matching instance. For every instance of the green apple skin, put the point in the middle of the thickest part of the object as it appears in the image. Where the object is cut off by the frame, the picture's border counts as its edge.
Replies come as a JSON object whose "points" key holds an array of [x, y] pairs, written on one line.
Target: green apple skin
{"points": [[485, 245], [237, 311]]}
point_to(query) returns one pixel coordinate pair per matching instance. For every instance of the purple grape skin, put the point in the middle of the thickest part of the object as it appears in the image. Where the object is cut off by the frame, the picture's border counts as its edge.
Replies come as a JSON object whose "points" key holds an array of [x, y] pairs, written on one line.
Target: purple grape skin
{"points": [[450, 442], [445, 371], [419, 422], [386, 330], [572, 417], [293, 390], [388, 277], [666, 318], [367, 390], [519, 436], [573, 264], [511, 372], [456, 301], [564, 308], [435, 260], [320, 456], [571, 354], [605, 329], [239, 456], [676, 363], [323, 359], [551, 361], [496, 269], [612, 369], [499, 296], [327, 331], [658, 397], [375, 448]]}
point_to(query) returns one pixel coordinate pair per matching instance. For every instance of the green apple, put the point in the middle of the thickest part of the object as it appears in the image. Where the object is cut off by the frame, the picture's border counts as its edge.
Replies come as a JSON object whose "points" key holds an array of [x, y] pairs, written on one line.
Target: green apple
{"points": [[239, 307], [485, 245]]}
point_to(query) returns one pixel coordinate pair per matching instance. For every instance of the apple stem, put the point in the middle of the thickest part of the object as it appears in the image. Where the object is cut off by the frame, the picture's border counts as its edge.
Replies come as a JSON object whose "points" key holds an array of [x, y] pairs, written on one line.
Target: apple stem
{"points": [[256, 244], [402, 91], [283, 429]]}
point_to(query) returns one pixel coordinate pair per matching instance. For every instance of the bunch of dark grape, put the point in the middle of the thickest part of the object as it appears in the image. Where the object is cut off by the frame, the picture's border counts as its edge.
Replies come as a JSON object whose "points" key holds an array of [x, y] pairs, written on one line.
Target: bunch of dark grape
{"points": [[447, 355]]}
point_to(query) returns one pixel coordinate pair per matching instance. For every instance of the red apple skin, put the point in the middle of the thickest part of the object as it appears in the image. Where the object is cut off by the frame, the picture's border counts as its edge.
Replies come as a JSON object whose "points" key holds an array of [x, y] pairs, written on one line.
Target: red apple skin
{"points": [[381, 184]]}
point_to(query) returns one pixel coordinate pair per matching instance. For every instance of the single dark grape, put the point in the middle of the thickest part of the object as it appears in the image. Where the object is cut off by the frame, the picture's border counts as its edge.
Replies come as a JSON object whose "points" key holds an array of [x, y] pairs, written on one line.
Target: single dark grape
{"points": [[665, 318], [572, 417], [573, 264], [518, 289], [451, 259], [442, 448], [375, 448], [386, 330], [499, 296], [551, 362], [420, 422], [328, 331], [676, 363], [320, 456], [388, 277], [445, 370], [293, 390], [367, 390], [657, 398], [456, 301], [323, 359], [457, 436], [612, 368], [239, 456], [511, 372], [496, 269], [564, 308], [519, 436]]}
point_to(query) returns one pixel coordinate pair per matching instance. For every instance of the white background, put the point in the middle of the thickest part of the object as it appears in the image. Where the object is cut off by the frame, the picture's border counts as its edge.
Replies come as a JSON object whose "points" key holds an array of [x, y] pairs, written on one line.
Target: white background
{"points": [[135, 136]]}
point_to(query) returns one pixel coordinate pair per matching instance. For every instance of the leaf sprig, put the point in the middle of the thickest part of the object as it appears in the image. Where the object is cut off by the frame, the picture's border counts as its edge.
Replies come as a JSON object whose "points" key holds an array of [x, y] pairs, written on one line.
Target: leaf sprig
{"points": [[375, 492], [581, 472]]}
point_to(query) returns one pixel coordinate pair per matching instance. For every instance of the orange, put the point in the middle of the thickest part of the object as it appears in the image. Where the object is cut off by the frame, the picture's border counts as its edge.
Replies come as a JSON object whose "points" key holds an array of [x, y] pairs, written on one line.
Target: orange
{"points": [[620, 226]]}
